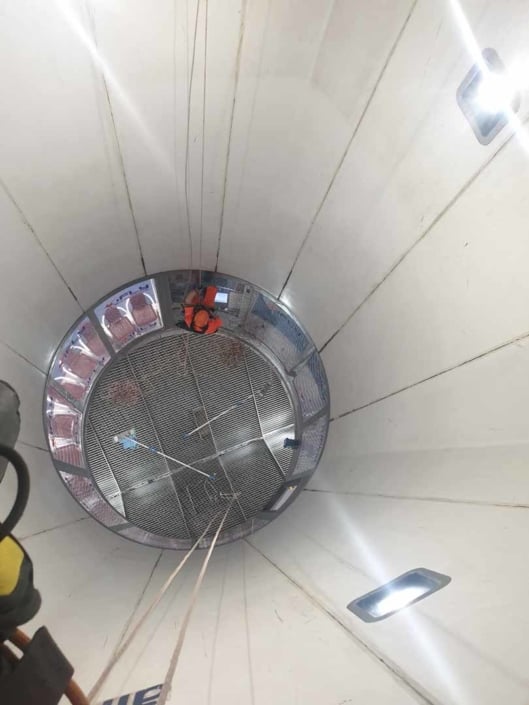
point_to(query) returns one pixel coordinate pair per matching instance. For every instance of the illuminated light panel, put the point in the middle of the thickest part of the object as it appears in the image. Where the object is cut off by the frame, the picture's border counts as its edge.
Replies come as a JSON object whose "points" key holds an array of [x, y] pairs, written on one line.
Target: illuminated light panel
{"points": [[495, 94], [399, 593], [488, 96]]}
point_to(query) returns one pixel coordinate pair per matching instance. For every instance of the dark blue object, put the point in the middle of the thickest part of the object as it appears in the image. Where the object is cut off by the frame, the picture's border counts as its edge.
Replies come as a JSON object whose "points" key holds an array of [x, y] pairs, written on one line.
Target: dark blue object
{"points": [[291, 443]]}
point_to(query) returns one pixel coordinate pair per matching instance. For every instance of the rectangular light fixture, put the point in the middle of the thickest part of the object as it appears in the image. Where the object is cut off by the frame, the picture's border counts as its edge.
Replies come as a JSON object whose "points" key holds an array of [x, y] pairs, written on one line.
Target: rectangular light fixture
{"points": [[401, 592], [488, 96]]}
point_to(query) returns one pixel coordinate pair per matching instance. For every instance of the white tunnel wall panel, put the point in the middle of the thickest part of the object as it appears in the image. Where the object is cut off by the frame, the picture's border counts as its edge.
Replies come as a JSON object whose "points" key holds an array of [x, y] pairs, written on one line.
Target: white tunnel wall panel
{"points": [[59, 153], [459, 293], [85, 615], [431, 471], [460, 475], [29, 384], [145, 72], [273, 90], [344, 60], [226, 27], [36, 304], [413, 153], [48, 507], [450, 437], [298, 134], [246, 641], [147, 660], [454, 647], [149, 79]]}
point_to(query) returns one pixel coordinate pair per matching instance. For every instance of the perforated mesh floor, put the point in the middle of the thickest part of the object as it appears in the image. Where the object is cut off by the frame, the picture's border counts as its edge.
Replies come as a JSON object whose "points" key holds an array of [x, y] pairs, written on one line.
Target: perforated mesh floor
{"points": [[164, 387]]}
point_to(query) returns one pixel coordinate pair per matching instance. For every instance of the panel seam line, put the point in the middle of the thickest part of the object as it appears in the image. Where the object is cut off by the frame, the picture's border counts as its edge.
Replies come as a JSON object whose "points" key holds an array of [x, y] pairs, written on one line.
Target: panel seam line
{"points": [[486, 353], [348, 146]]}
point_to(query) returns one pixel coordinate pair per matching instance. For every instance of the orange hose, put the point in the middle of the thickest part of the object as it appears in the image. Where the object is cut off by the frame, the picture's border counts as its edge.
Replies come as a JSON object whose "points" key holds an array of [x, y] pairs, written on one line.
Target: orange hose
{"points": [[74, 694], [20, 640]]}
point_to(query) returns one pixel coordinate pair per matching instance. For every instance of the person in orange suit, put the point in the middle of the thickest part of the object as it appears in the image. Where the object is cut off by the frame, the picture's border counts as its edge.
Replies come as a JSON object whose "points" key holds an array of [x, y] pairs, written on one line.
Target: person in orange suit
{"points": [[199, 311]]}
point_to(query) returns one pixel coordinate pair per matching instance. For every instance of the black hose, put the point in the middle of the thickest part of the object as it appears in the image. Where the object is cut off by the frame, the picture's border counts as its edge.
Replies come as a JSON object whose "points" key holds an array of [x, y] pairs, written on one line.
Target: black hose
{"points": [[21, 499]]}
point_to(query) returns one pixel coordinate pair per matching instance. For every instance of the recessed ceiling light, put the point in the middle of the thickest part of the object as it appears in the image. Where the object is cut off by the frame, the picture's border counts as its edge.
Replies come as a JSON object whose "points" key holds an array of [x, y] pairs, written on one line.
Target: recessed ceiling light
{"points": [[495, 94], [401, 592], [488, 96]]}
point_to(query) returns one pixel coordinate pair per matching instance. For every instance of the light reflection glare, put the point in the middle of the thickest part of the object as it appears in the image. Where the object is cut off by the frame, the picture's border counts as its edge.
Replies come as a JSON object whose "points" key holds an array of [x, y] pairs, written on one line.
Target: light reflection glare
{"points": [[474, 50], [99, 60], [396, 600], [495, 94]]}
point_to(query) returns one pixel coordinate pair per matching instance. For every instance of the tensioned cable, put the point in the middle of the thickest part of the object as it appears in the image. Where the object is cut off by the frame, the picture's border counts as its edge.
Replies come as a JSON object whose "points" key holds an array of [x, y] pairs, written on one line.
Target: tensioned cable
{"points": [[120, 649], [183, 629], [186, 169]]}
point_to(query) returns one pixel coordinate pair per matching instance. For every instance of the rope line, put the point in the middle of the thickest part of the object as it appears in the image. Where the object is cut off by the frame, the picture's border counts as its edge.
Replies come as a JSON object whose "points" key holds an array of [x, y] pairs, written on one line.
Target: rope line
{"points": [[188, 127], [183, 629], [120, 649]]}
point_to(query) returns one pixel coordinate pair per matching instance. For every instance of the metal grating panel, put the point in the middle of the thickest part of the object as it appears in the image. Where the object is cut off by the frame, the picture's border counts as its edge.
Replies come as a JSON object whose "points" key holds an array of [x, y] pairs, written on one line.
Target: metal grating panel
{"points": [[141, 536], [88, 496], [204, 501], [222, 380], [254, 473], [156, 508], [163, 370], [311, 385], [156, 389], [102, 472], [279, 332], [275, 441], [241, 531], [274, 407], [312, 444]]}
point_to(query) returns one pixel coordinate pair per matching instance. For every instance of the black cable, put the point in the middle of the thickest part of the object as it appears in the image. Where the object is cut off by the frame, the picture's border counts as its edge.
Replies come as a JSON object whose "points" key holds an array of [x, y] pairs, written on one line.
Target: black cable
{"points": [[21, 500]]}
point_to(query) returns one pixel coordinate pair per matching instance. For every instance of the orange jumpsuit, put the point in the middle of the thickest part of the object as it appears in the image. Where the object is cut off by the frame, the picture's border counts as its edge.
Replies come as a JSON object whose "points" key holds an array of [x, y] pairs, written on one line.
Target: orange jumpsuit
{"points": [[198, 311]]}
